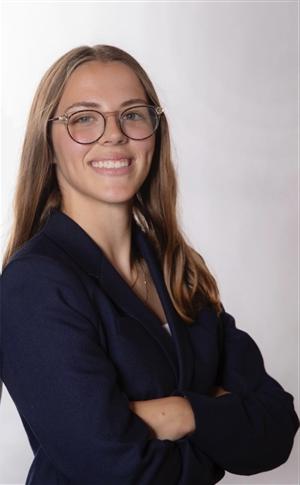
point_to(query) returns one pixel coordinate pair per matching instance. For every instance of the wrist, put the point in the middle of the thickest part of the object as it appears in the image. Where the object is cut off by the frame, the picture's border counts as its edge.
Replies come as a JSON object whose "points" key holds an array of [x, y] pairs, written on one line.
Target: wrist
{"points": [[186, 417]]}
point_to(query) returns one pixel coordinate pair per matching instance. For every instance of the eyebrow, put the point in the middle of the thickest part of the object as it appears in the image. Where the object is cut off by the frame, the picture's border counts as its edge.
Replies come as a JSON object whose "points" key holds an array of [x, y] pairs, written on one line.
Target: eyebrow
{"points": [[91, 104]]}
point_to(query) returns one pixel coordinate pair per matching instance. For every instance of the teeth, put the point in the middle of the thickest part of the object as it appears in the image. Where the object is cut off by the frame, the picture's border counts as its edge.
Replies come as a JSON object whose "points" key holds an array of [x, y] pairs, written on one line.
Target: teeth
{"points": [[124, 162]]}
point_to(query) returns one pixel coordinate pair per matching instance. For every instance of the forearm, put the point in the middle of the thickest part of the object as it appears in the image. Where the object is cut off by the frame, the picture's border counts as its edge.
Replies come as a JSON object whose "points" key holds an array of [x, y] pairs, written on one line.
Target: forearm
{"points": [[217, 391], [169, 417]]}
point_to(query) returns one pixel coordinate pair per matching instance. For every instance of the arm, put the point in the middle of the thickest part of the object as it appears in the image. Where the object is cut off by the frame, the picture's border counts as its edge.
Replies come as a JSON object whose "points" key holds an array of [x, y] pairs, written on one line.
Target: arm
{"points": [[171, 417], [250, 430], [218, 391], [67, 390]]}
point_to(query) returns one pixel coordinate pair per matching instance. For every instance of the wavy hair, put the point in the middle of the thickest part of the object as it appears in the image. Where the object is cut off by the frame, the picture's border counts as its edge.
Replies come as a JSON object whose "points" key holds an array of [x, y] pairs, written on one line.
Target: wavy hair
{"points": [[190, 284]]}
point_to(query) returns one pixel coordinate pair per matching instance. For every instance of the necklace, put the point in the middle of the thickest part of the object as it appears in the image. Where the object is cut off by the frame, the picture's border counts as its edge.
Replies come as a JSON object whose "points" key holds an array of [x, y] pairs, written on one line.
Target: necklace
{"points": [[138, 263]]}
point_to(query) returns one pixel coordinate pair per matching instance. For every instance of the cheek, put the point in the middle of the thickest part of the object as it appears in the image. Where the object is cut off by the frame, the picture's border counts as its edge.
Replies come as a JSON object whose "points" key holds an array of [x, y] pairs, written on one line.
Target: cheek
{"points": [[146, 154], [66, 150], [147, 150]]}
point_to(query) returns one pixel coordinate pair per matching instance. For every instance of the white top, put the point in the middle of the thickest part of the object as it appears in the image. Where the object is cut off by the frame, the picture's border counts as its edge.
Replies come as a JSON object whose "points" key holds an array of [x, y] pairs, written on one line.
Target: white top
{"points": [[166, 327]]}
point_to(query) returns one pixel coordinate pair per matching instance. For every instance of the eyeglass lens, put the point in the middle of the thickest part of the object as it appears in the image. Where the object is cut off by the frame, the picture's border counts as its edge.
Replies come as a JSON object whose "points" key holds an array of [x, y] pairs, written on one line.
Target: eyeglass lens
{"points": [[137, 123]]}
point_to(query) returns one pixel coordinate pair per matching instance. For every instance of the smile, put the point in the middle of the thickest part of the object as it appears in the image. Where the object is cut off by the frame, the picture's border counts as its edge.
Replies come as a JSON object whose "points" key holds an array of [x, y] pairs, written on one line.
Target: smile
{"points": [[112, 167], [123, 162]]}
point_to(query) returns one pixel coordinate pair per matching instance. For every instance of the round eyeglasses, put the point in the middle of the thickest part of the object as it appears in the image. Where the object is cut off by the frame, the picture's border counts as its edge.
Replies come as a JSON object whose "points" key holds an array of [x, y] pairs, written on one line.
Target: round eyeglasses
{"points": [[88, 125]]}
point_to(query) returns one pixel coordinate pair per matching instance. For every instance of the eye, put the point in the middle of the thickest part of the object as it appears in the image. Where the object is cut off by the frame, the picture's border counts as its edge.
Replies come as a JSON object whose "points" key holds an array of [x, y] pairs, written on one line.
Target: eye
{"points": [[85, 118], [136, 115]]}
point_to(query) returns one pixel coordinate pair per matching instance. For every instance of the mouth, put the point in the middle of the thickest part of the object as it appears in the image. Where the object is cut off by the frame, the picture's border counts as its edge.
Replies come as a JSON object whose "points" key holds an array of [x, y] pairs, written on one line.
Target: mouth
{"points": [[114, 166]]}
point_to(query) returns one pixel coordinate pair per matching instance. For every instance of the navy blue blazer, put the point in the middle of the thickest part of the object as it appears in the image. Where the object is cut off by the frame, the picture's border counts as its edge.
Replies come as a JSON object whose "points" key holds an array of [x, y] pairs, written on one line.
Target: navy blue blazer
{"points": [[78, 345]]}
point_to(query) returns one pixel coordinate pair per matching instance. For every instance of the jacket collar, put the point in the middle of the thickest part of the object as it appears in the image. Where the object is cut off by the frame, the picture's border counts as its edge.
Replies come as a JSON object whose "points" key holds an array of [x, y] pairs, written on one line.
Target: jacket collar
{"points": [[72, 238]]}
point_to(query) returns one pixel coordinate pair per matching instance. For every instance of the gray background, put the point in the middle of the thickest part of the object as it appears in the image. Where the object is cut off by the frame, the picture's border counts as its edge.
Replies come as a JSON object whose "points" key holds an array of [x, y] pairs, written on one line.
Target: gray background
{"points": [[226, 74]]}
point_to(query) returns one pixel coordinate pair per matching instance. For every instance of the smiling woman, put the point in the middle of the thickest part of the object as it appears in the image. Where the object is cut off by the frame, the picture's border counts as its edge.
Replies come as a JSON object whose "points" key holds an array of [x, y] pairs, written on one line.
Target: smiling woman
{"points": [[101, 137], [96, 269]]}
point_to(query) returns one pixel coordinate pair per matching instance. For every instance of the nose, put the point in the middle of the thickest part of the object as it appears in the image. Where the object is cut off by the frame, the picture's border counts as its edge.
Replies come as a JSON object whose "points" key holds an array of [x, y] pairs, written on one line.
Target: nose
{"points": [[112, 132]]}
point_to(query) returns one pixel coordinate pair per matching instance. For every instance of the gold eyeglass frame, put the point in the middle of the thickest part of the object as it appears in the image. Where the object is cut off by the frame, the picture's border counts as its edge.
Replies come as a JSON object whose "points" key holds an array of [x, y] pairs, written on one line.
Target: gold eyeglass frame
{"points": [[65, 118]]}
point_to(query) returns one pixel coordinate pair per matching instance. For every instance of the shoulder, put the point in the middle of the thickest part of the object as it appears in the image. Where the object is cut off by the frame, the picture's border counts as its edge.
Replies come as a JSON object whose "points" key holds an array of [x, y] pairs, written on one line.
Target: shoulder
{"points": [[37, 287], [37, 257], [38, 268], [37, 247]]}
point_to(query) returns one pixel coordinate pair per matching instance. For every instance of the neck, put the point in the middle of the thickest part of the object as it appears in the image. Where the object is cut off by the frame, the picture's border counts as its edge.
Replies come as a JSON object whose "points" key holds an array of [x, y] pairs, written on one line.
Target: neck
{"points": [[110, 227]]}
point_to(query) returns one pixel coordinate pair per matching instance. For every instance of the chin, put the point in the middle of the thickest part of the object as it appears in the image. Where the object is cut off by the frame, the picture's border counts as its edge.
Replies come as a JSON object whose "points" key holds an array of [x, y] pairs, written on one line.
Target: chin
{"points": [[117, 199]]}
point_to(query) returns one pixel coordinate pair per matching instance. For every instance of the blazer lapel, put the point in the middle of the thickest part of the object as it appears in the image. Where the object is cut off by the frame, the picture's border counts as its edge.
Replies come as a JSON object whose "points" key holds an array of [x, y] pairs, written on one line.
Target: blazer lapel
{"points": [[120, 293], [177, 325], [87, 254]]}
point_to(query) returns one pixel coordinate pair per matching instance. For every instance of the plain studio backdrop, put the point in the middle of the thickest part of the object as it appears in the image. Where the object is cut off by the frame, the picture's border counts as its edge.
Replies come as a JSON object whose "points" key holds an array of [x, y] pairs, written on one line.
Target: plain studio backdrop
{"points": [[226, 74]]}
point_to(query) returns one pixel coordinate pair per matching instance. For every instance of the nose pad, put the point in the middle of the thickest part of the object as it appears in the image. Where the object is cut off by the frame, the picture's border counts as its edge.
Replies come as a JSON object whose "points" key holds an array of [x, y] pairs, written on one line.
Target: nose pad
{"points": [[112, 130]]}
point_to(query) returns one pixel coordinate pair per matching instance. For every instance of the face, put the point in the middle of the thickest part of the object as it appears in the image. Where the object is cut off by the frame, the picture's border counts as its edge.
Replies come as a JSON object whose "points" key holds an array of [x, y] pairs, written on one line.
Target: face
{"points": [[108, 86]]}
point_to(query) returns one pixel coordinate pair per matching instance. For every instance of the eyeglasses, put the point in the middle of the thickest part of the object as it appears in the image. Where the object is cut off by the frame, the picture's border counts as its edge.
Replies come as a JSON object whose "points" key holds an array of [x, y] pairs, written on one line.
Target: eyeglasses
{"points": [[88, 125]]}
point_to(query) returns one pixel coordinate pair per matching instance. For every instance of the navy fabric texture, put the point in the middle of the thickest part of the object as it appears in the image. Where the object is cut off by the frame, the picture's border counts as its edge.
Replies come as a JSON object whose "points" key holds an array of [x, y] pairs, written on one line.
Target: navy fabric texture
{"points": [[77, 345]]}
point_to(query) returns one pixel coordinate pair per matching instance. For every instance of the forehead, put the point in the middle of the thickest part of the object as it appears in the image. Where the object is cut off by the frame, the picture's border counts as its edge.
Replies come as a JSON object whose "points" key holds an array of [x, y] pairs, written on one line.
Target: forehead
{"points": [[108, 84]]}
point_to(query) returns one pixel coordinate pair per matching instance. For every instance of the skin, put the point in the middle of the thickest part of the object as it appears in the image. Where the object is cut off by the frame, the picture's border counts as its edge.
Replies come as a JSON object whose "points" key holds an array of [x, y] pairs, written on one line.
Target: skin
{"points": [[101, 204], [170, 418]]}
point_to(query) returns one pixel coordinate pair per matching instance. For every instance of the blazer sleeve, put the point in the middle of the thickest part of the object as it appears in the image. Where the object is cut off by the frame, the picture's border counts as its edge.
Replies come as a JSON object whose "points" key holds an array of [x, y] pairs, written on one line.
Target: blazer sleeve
{"points": [[67, 389], [250, 430]]}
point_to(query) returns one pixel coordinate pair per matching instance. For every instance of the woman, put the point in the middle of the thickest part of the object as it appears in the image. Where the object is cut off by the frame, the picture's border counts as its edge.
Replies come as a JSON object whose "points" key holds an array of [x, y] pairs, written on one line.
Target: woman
{"points": [[120, 358]]}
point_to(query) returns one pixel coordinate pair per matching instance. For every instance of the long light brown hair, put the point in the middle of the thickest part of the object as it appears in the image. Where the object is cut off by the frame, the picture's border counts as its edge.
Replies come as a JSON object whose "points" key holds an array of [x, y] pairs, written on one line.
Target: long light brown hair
{"points": [[190, 284]]}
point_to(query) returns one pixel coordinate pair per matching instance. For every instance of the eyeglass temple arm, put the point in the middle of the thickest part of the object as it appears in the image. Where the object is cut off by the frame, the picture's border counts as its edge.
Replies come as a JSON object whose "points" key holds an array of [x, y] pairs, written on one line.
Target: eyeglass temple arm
{"points": [[59, 118]]}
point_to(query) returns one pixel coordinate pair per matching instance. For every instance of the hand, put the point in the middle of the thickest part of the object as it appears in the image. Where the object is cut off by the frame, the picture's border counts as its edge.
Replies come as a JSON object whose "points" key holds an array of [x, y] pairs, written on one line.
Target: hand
{"points": [[169, 418], [218, 391]]}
